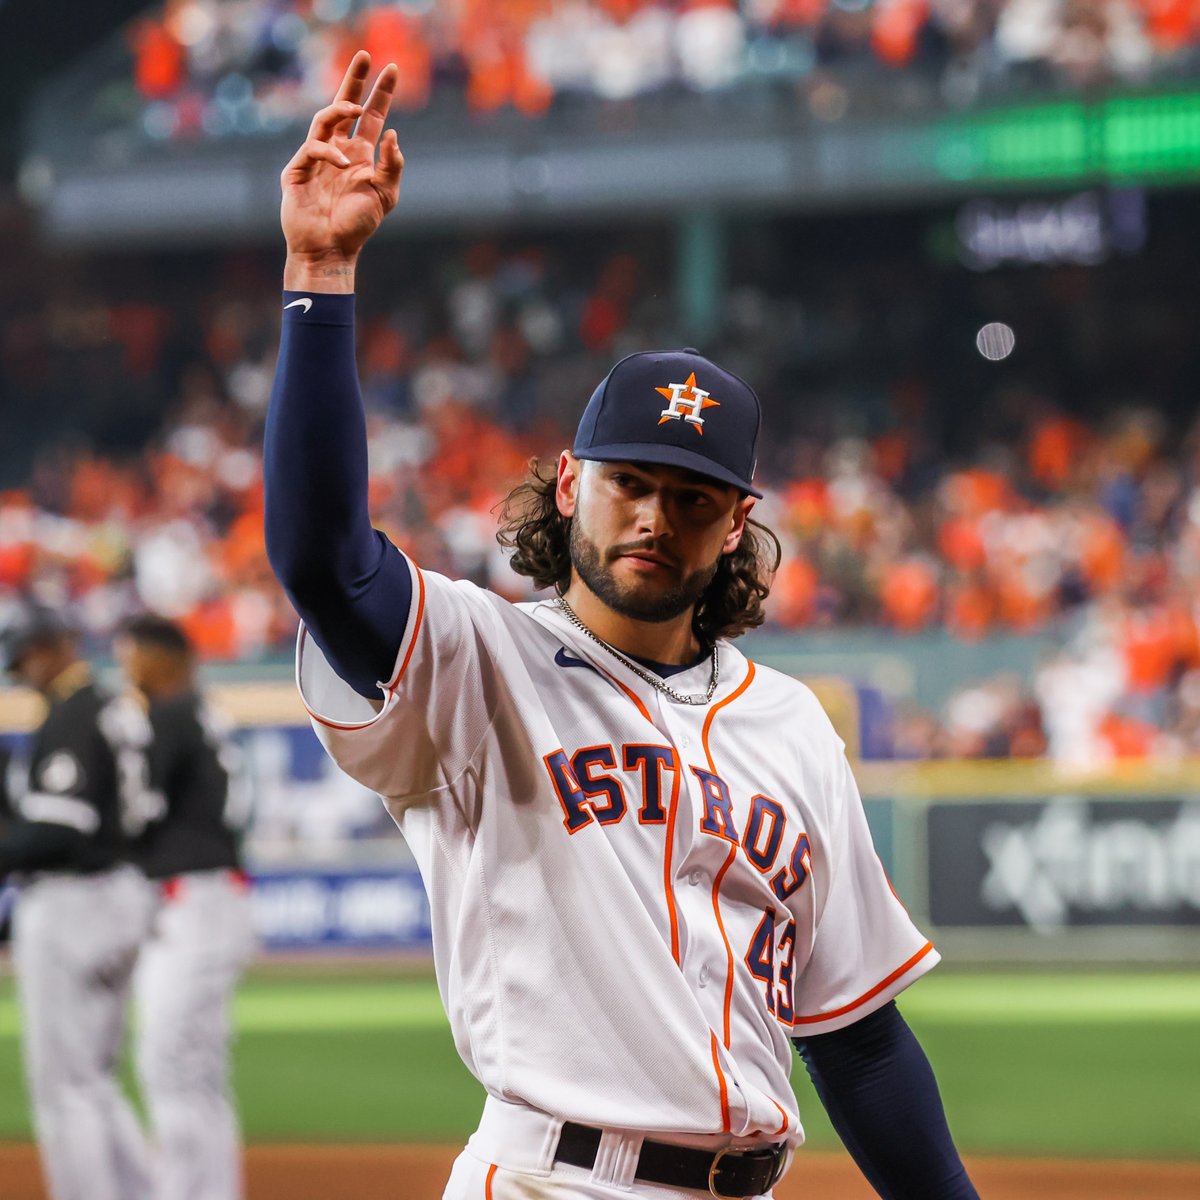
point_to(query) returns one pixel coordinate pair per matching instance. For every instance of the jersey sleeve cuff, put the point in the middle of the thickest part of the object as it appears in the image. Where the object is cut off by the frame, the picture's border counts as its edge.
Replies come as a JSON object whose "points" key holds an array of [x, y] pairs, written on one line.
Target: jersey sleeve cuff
{"points": [[328, 699], [925, 959], [318, 308]]}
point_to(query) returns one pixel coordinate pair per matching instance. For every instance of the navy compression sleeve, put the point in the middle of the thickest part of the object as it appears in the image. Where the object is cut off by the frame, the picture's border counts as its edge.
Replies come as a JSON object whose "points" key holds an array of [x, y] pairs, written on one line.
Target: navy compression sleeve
{"points": [[880, 1093], [349, 585]]}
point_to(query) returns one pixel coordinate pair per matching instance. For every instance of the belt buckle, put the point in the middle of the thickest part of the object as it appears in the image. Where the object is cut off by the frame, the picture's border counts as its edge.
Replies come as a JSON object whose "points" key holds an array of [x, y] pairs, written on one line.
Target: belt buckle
{"points": [[712, 1172], [779, 1152]]}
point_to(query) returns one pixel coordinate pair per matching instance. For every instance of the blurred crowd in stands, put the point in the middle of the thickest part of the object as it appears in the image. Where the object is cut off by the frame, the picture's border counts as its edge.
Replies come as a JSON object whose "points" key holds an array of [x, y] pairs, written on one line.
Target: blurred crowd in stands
{"points": [[227, 67], [134, 476]]}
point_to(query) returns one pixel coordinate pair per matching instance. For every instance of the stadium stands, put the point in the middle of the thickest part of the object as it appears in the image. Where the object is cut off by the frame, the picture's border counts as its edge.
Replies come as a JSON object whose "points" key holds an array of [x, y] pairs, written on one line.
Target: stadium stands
{"points": [[205, 68]]}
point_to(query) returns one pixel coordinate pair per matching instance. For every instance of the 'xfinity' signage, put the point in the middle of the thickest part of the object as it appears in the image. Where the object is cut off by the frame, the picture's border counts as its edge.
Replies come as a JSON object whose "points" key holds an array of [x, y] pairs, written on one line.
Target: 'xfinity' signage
{"points": [[1065, 862]]}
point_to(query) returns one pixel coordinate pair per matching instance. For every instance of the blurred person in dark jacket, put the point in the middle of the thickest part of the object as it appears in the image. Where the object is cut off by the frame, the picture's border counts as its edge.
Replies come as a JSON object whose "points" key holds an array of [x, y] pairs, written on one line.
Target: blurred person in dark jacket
{"points": [[201, 937], [7, 894], [81, 913]]}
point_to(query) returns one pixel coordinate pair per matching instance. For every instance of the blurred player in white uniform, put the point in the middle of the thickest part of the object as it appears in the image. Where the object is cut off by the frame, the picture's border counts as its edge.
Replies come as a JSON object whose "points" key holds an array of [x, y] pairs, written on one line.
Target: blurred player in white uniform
{"points": [[81, 913], [201, 937], [648, 865]]}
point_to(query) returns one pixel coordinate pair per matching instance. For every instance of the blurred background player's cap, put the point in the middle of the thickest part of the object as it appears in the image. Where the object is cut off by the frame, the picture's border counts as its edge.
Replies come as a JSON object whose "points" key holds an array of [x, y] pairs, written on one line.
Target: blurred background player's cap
{"points": [[678, 409], [26, 626]]}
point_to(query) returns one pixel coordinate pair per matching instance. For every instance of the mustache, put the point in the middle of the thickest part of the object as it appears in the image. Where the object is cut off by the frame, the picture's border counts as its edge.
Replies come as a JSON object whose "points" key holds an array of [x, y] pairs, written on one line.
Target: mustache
{"points": [[653, 548]]}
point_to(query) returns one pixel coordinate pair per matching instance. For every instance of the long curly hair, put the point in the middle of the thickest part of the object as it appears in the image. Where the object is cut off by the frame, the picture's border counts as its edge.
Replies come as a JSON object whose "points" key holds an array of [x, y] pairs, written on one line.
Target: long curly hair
{"points": [[540, 538]]}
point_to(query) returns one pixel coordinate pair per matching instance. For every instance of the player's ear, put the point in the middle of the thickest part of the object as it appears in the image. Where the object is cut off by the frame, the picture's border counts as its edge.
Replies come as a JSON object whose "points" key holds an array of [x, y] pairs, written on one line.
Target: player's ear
{"points": [[566, 492], [741, 510]]}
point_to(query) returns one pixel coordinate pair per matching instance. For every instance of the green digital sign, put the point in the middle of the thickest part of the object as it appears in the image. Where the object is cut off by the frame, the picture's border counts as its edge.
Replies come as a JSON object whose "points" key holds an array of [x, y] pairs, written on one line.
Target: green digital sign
{"points": [[1122, 139]]}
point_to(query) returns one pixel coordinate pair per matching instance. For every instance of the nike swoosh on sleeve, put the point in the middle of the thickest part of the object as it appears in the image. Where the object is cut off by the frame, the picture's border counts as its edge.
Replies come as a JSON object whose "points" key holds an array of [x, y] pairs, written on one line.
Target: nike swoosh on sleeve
{"points": [[304, 302]]}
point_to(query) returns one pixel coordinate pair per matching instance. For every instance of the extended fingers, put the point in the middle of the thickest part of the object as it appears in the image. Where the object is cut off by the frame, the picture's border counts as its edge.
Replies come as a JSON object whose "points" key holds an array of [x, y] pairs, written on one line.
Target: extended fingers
{"points": [[354, 82], [375, 110], [325, 123]]}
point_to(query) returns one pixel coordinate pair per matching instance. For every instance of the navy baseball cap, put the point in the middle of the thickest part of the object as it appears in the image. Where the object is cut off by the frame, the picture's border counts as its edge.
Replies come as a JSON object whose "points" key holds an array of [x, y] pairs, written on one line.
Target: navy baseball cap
{"points": [[676, 408]]}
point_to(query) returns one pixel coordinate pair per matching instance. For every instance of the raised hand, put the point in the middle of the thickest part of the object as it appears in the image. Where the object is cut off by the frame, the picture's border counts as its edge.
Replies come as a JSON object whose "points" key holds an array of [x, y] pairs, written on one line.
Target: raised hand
{"points": [[335, 193]]}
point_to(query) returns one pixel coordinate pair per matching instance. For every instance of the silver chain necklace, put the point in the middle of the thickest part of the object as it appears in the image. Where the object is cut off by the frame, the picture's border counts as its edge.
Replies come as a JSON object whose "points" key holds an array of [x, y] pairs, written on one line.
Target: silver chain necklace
{"points": [[636, 667]]}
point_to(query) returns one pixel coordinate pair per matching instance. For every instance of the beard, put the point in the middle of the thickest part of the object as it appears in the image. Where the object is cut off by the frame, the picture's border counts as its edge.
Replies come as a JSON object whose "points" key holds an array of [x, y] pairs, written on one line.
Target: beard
{"points": [[642, 603]]}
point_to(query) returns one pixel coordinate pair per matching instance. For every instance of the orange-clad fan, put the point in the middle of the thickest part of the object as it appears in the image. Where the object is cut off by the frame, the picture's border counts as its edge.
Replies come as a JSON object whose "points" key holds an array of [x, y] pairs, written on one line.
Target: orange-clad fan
{"points": [[1102, 552], [391, 35], [160, 60], [897, 28], [793, 13], [1055, 445], [1171, 24], [1127, 737], [1021, 606], [960, 542], [909, 594], [795, 591], [1157, 642], [970, 607]]}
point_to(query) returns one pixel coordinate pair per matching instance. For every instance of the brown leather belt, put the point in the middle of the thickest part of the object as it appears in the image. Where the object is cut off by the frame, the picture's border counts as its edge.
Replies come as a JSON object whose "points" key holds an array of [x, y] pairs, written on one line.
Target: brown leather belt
{"points": [[729, 1174]]}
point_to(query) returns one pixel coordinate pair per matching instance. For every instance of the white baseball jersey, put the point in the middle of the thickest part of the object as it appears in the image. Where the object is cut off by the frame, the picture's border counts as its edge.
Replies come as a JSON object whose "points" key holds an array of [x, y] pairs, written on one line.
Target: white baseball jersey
{"points": [[636, 903]]}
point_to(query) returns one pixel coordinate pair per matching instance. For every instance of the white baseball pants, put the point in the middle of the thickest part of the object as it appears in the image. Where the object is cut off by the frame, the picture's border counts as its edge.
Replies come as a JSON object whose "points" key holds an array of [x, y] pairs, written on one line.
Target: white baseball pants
{"points": [[201, 939], [511, 1157], [75, 942]]}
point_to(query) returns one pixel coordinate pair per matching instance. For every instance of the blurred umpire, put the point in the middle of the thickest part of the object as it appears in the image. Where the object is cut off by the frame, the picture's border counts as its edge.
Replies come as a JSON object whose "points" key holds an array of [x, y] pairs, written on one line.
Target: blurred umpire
{"points": [[201, 937], [82, 911]]}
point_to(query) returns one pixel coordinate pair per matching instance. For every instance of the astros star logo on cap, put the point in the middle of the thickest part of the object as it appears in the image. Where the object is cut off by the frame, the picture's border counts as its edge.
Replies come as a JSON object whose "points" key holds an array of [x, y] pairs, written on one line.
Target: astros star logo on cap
{"points": [[618, 423], [687, 403]]}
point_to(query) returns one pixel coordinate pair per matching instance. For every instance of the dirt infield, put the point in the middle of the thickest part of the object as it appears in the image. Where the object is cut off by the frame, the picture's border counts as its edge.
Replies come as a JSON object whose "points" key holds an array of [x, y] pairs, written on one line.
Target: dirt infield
{"points": [[419, 1173]]}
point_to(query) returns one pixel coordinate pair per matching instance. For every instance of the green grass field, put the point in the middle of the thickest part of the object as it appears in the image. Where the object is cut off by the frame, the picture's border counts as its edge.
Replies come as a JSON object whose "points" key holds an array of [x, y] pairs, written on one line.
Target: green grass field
{"points": [[1090, 1065]]}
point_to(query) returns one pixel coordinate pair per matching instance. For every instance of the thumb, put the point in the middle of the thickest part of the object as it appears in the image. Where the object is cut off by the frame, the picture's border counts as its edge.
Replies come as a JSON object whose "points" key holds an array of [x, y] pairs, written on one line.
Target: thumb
{"points": [[389, 169]]}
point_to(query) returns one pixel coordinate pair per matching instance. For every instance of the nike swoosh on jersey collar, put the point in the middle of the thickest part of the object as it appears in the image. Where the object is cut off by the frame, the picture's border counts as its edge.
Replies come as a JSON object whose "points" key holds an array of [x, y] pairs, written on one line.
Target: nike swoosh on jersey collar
{"points": [[563, 659]]}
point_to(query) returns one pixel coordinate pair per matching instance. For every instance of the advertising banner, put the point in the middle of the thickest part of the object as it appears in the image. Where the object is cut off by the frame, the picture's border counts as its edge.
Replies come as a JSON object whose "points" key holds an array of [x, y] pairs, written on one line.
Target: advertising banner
{"points": [[1065, 861], [332, 910]]}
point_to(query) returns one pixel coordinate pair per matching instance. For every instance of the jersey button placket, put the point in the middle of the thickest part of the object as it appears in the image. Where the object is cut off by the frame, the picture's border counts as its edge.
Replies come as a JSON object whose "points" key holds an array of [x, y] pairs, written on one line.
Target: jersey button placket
{"points": [[697, 878]]}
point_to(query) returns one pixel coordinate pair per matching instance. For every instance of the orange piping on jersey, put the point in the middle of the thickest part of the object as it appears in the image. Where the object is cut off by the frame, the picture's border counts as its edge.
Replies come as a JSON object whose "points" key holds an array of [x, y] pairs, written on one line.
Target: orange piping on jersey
{"points": [[725, 1122], [837, 1012], [394, 683], [632, 695], [333, 724], [732, 853], [668, 859], [716, 708], [786, 1121], [716, 893], [487, 1183], [412, 645]]}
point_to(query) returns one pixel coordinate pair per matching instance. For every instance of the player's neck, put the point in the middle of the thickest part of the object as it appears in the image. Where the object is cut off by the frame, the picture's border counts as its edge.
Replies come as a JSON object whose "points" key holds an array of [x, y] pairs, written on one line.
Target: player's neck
{"points": [[660, 641]]}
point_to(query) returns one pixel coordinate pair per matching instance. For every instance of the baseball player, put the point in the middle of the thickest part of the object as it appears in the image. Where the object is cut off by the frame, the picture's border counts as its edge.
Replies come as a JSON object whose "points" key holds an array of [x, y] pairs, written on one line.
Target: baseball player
{"points": [[7, 893], [647, 862], [201, 937], [81, 913]]}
